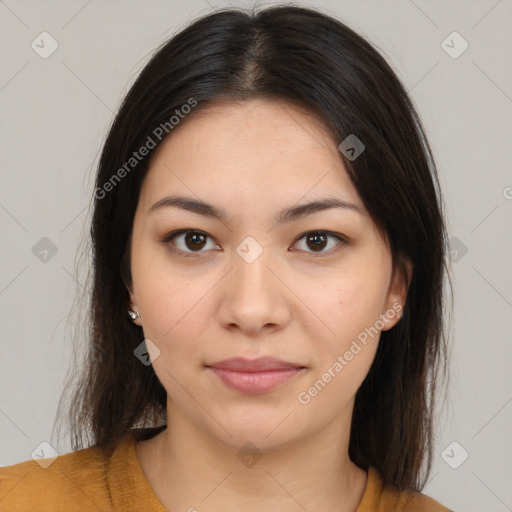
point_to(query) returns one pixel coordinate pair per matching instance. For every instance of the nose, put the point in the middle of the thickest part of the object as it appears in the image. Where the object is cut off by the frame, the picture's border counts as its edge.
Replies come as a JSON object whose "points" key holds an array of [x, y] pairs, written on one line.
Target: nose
{"points": [[253, 298]]}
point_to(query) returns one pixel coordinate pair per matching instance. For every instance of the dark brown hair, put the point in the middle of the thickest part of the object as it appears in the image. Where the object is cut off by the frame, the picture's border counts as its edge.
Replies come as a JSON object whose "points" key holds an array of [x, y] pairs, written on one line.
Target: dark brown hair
{"points": [[311, 59]]}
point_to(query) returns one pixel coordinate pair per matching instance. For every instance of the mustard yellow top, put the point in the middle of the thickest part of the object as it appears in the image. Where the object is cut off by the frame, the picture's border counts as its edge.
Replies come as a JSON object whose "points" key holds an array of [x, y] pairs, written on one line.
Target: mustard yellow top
{"points": [[90, 480]]}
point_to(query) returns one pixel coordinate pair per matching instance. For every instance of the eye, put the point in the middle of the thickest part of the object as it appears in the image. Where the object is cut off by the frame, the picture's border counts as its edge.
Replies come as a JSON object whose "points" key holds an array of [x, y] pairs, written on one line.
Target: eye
{"points": [[189, 241], [318, 240]]}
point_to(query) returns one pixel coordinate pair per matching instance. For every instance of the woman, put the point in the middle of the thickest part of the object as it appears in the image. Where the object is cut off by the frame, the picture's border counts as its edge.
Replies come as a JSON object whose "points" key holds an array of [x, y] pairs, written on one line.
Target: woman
{"points": [[268, 213]]}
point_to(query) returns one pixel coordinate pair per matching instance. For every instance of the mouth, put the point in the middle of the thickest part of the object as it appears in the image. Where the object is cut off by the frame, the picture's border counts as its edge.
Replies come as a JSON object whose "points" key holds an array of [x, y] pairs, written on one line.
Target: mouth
{"points": [[255, 376]]}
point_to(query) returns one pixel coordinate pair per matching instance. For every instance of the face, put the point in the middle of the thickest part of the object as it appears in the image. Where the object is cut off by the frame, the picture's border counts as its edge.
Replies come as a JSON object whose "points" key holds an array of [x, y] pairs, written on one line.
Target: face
{"points": [[313, 287]]}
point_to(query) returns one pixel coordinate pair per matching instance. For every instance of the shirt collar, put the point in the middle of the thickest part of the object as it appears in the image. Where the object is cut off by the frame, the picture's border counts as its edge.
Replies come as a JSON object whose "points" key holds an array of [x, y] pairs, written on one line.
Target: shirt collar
{"points": [[129, 488]]}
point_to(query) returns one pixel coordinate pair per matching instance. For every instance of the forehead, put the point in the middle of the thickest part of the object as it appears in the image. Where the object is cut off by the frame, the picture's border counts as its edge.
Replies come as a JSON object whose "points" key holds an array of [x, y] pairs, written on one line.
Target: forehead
{"points": [[256, 149]]}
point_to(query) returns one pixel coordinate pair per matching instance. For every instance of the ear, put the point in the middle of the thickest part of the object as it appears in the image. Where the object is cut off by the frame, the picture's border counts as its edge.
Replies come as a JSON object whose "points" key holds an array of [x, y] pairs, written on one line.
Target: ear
{"points": [[397, 294], [133, 307]]}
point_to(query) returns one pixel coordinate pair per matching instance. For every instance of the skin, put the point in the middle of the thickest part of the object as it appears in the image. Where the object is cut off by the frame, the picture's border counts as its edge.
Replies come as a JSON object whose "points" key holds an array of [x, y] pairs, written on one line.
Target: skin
{"points": [[254, 159]]}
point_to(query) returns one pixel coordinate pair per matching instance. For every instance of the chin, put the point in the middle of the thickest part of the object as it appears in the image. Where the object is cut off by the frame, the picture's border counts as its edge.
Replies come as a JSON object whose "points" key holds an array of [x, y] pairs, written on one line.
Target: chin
{"points": [[269, 433]]}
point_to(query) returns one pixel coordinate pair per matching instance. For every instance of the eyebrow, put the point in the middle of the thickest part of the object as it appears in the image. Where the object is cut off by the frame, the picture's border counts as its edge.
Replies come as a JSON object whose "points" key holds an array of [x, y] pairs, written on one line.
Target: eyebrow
{"points": [[286, 215]]}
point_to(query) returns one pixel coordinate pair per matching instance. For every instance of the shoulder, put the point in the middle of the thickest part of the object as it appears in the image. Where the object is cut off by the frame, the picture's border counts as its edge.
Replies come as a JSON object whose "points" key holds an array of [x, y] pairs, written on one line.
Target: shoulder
{"points": [[380, 498], [408, 501], [80, 476]]}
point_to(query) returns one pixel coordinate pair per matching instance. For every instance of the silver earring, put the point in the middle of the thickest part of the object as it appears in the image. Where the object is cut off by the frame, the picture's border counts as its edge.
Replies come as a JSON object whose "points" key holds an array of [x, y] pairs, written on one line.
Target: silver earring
{"points": [[133, 314]]}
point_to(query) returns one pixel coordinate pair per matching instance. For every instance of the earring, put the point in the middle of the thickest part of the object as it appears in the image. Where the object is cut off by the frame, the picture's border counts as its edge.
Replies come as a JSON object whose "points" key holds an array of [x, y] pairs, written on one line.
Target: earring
{"points": [[133, 314]]}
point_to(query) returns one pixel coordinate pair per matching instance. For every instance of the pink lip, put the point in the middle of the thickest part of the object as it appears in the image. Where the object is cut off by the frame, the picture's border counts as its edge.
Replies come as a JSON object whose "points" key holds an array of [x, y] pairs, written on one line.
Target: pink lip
{"points": [[256, 375]]}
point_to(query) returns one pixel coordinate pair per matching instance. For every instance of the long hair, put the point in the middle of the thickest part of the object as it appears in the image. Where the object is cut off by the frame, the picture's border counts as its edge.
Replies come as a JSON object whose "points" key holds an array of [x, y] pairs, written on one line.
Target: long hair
{"points": [[311, 59]]}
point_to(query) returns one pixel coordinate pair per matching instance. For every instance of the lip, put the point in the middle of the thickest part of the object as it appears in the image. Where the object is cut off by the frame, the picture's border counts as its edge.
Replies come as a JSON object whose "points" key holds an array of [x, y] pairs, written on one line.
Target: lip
{"points": [[254, 376], [260, 364]]}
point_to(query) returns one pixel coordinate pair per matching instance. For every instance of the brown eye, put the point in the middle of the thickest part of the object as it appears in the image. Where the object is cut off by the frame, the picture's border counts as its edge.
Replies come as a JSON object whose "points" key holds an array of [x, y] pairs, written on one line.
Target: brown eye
{"points": [[317, 241], [189, 241], [195, 241]]}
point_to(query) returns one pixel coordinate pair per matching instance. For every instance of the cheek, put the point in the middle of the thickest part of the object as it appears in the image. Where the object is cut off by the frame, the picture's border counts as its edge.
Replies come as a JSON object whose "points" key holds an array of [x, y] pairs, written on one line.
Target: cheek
{"points": [[338, 379], [345, 355], [171, 304], [352, 303], [173, 310]]}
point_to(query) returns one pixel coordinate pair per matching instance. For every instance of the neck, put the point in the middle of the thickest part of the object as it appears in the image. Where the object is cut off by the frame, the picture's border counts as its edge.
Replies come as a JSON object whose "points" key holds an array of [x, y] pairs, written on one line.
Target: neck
{"points": [[189, 469]]}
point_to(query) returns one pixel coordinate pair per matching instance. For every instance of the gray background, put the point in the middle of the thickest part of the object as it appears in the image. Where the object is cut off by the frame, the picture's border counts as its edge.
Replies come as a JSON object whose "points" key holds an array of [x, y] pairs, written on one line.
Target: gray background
{"points": [[55, 113]]}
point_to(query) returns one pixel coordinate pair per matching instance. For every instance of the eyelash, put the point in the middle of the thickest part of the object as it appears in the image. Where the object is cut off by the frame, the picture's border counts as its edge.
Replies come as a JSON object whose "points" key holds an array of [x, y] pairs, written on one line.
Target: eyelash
{"points": [[171, 236]]}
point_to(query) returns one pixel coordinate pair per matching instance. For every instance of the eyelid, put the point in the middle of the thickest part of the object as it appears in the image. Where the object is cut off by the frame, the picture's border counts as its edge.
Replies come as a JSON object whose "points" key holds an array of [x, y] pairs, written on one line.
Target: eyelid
{"points": [[173, 234], [343, 240]]}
